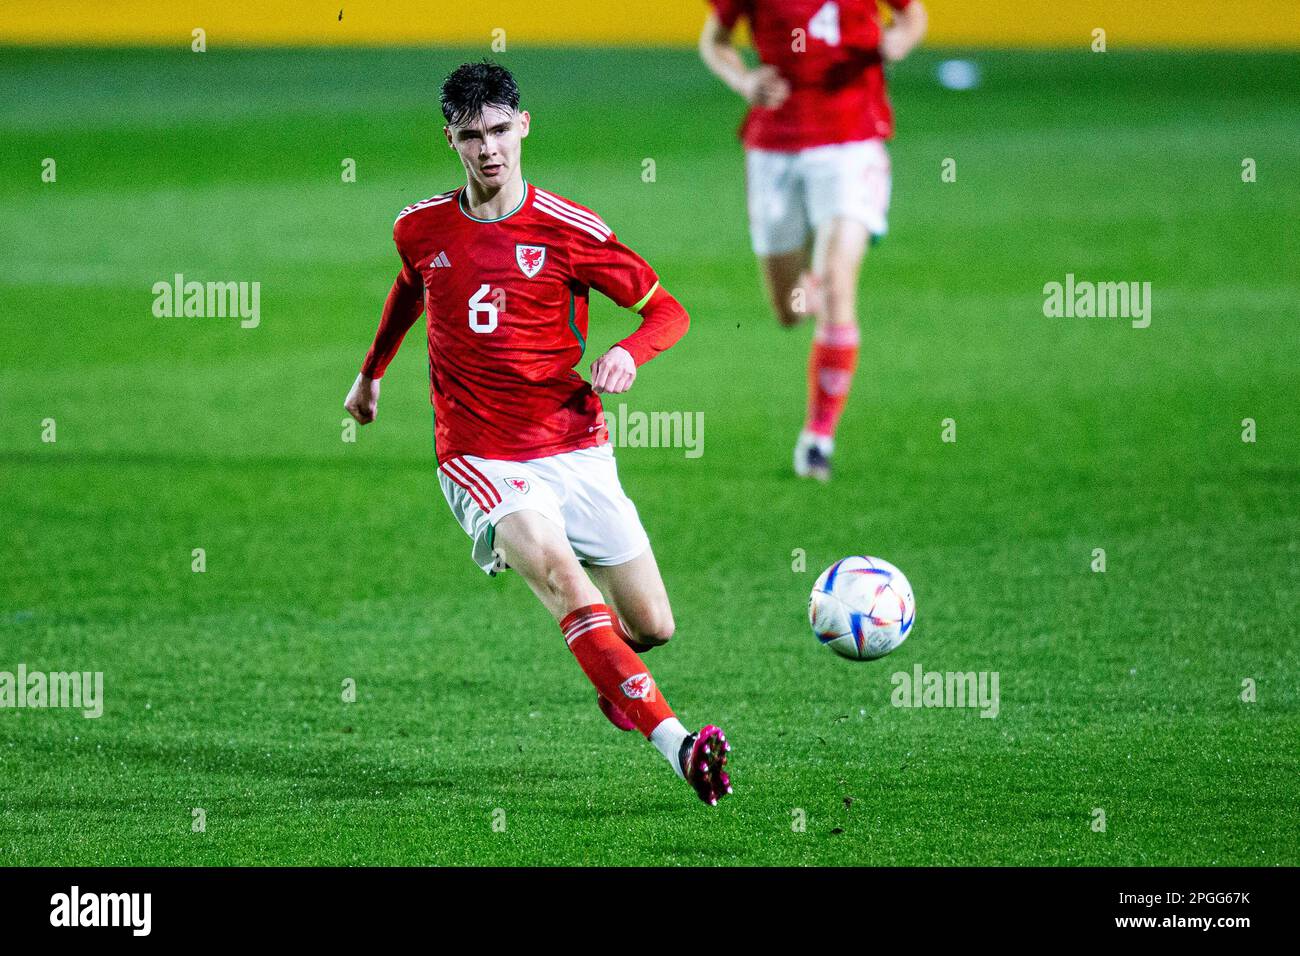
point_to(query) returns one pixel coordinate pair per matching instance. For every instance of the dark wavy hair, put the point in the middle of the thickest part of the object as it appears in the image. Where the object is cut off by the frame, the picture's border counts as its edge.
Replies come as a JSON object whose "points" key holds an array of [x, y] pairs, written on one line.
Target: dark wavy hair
{"points": [[473, 86]]}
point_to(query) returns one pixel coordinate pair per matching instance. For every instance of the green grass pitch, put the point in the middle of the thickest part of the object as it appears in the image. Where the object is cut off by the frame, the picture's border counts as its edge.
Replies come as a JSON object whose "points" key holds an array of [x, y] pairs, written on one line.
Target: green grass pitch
{"points": [[326, 560]]}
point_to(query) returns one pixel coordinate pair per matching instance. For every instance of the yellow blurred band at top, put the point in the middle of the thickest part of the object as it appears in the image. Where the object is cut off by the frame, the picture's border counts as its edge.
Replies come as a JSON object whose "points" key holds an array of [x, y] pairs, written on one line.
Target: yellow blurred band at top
{"points": [[996, 23]]}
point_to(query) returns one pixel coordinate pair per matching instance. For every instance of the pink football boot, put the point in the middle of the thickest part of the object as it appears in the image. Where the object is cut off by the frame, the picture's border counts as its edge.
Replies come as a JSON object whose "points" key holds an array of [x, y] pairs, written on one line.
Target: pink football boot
{"points": [[703, 757]]}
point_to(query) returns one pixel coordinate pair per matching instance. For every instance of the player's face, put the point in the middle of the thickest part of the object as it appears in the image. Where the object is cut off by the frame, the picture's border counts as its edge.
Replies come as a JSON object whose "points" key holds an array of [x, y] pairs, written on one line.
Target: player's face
{"points": [[489, 147]]}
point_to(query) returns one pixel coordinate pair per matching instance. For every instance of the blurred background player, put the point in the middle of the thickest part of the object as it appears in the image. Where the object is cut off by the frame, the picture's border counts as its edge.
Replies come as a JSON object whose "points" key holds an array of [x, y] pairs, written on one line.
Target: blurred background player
{"points": [[817, 171], [504, 271]]}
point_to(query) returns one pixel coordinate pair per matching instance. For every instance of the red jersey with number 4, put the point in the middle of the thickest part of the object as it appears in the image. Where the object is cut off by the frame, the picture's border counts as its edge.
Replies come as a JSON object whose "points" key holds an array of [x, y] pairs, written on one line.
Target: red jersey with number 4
{"points": [[506, 301], [828, 51]]}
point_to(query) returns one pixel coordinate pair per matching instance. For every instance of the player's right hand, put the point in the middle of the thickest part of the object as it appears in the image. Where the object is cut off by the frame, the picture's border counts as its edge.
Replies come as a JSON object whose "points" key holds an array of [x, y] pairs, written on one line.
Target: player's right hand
{"points": [[363, 400], [765, 87], [895, 44]]}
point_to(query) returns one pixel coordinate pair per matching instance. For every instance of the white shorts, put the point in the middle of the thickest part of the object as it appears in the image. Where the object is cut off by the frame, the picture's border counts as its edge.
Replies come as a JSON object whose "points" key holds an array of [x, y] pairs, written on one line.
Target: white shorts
{"points": [[578, 490], [792, 194]]}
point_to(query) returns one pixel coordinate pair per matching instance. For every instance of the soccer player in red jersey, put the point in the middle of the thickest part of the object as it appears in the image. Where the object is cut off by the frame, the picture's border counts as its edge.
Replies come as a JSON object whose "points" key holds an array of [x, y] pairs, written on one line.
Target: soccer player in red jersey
{"points": [[817, 172], [503, 270]]}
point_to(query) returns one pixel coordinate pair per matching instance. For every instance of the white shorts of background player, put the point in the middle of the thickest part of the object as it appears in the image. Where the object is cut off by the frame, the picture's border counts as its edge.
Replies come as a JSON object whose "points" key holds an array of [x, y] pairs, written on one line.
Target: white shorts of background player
{"points": [[791, 194]]}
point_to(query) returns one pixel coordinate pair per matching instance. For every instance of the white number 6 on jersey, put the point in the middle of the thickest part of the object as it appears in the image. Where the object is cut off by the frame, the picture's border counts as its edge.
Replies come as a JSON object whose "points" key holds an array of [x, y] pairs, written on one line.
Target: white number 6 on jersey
{"points": [[482, 313]]}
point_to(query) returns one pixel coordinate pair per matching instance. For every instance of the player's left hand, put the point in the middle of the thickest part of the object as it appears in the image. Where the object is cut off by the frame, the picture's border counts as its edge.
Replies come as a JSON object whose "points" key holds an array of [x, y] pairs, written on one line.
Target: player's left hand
{"points": [[613, 372]]}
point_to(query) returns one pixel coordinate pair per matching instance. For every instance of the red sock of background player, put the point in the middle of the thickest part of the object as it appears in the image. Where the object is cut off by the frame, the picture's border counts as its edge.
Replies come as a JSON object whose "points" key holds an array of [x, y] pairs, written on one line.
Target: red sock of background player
{"points": [[619, 675], [830, 373]]}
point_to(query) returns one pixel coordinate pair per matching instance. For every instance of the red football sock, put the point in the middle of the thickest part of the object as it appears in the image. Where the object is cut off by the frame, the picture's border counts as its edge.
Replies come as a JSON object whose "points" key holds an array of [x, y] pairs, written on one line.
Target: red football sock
{"points": [[614, 667], [830, 373]]}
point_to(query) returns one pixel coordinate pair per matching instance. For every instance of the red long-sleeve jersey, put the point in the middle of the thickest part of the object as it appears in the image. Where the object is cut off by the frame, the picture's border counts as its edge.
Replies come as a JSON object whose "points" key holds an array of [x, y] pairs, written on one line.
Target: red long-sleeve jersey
{"points": [[506, 301], [828, 50]]}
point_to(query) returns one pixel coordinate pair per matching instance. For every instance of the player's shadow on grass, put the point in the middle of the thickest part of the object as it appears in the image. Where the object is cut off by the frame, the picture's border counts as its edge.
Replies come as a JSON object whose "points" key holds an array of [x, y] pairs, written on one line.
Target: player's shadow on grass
{"points": [[1283, 474], [341, 462], [222, 773]]}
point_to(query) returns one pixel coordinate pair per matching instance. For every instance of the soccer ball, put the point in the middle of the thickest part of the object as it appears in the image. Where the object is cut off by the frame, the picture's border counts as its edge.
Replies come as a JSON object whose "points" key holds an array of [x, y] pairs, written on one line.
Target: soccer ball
{"points": [[862, 608]]}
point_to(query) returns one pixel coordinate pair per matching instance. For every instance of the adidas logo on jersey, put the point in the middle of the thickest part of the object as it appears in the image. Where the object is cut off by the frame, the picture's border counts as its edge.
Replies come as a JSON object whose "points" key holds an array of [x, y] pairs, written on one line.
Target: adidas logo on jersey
{"points": [[440, 261]]}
